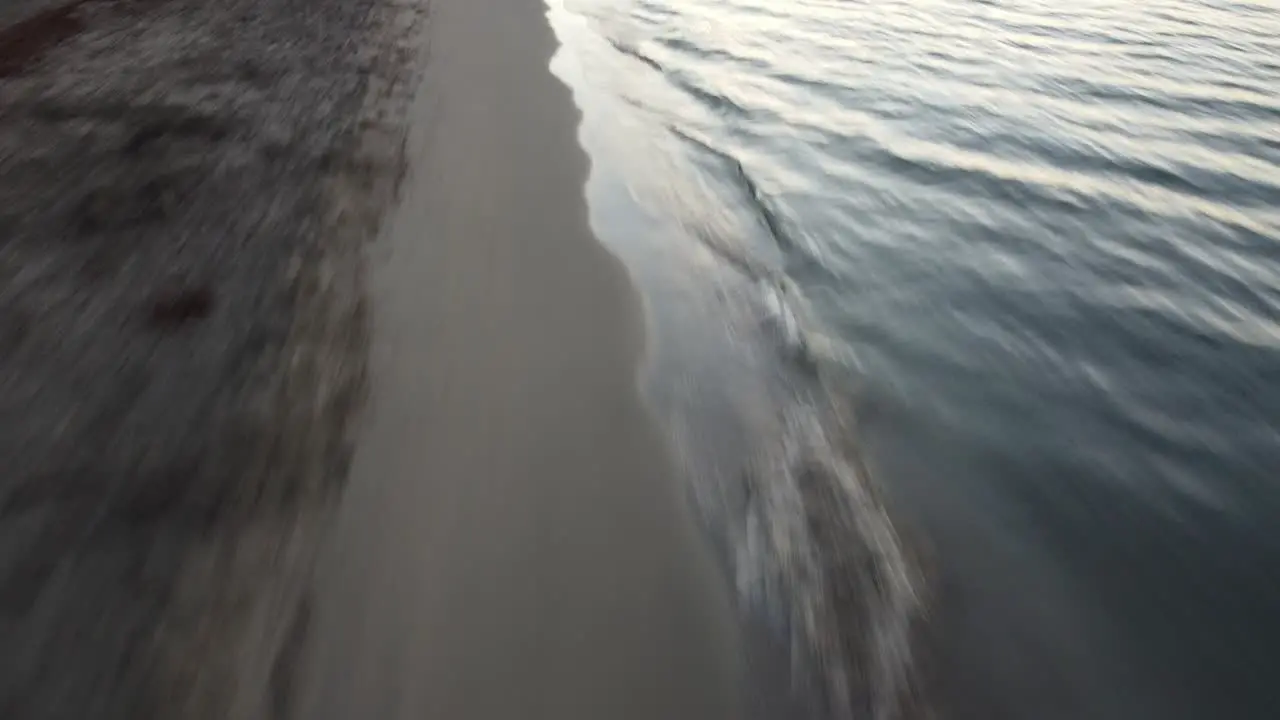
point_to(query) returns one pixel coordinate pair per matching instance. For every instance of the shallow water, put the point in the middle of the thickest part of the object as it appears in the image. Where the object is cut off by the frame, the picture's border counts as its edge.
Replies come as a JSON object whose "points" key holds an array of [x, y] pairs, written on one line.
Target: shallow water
{"points": [[1033, 249]]}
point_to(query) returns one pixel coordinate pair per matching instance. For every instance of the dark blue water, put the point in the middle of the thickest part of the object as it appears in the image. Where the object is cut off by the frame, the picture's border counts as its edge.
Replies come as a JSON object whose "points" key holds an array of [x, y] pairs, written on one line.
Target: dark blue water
{"points": [[1024, 258]]}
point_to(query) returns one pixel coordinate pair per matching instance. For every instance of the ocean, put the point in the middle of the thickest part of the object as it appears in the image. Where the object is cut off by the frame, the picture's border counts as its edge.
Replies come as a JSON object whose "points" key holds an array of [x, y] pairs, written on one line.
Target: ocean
{"points": [[964, 323]]}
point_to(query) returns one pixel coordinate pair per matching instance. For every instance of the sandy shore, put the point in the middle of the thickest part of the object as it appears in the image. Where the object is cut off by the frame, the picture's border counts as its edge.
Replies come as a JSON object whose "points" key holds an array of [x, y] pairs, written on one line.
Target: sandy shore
{"points": [[512, 543], [186, 191]]}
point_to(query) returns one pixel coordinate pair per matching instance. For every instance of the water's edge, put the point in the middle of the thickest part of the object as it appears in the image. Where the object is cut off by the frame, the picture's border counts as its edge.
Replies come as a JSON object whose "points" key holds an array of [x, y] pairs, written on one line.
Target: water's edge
{"points": [[831, 600]]}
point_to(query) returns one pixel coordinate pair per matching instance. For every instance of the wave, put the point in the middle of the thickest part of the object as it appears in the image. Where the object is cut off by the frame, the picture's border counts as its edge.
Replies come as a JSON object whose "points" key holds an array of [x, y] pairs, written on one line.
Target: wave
{"points": [[709, 98], [784, 235], [816, 543], [815, 557], [634, 52], [853, 598]]}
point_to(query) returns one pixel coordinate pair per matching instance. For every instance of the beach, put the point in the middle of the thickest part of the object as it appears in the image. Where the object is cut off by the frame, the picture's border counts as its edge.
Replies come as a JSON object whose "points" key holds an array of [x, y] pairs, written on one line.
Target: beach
{"points": [[211, 313], [513, 541], [656, 359]]}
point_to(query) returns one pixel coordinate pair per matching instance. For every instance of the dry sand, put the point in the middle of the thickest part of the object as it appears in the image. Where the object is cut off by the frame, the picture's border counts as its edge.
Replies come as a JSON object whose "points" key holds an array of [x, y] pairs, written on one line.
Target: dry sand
{"points": [[512, 543], [185, 187]]}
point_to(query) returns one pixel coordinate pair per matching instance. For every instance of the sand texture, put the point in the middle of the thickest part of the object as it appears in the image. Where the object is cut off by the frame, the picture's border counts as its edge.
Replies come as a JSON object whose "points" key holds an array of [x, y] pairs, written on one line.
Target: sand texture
{"points": [[513, 543], [185, 188]]}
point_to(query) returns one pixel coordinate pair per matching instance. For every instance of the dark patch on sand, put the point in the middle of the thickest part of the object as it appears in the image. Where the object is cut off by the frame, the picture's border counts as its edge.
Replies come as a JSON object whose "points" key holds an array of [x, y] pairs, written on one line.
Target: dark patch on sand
{"points": [[26, 42], [174, 307]]}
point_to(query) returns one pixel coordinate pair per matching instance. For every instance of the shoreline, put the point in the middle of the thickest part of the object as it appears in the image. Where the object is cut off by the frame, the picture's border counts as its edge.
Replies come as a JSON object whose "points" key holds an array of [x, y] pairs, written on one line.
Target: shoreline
{"points": [[221, 552], [832, 594], [186, 193], [513, 541]]}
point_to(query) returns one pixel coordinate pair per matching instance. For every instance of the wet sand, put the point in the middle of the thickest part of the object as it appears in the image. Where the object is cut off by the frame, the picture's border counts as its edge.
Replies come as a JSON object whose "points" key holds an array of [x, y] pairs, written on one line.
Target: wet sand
{"points": [[512, 542]]}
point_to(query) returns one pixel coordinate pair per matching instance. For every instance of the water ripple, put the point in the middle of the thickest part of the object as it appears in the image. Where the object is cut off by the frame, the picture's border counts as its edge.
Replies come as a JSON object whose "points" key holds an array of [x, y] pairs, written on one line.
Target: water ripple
{"points": [[1050, 232]]}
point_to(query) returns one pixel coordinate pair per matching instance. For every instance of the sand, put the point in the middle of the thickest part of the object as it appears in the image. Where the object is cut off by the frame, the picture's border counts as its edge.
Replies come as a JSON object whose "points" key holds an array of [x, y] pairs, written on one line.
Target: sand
{"points": [[513, 542], [185, 188], [185, 191]]}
